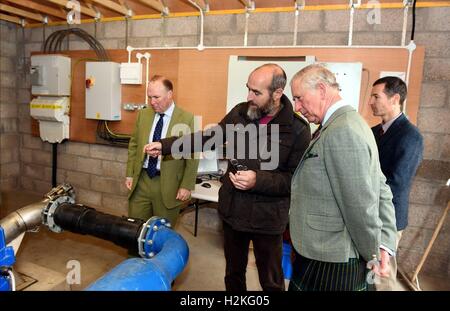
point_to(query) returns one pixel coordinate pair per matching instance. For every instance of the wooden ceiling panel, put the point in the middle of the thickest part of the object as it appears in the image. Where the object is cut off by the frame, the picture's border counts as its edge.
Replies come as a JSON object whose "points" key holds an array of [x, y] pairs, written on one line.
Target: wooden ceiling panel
{"points": [[143, 7]]}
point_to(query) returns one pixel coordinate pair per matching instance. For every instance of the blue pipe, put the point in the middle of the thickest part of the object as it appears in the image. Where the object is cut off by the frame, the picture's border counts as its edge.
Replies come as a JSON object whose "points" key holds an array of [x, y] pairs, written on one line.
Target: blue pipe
{"points": [[7, 259], [169, 254], [286, 263]]}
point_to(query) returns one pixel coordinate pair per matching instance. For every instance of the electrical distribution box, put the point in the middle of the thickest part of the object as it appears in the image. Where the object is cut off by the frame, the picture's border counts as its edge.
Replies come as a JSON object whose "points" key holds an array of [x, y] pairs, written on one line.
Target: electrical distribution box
{"points": [[131, 73], [50, 75], [52, 114], [103, 91]]}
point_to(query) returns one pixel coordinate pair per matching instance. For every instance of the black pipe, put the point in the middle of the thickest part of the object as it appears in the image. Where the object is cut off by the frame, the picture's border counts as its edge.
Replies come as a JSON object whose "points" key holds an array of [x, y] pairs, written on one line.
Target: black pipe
{"points": [[122, 231], [413, 30], [54, 163]]}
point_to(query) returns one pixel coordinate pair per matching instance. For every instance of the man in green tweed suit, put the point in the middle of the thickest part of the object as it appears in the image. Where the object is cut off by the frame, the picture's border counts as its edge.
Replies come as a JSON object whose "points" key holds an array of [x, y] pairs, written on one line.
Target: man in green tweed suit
{"points": [[341, 214], [158, 186]]}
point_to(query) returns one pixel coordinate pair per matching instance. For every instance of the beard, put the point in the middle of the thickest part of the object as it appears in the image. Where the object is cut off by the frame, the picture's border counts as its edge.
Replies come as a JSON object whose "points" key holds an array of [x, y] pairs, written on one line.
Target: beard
{"points": [[255, 113]]}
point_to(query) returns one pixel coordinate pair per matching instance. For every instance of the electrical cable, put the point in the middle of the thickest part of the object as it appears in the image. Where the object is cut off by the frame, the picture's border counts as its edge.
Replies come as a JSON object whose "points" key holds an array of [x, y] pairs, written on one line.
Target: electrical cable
{"points": [[125, 136], [413, 20], [54, 44], [113, 139]]}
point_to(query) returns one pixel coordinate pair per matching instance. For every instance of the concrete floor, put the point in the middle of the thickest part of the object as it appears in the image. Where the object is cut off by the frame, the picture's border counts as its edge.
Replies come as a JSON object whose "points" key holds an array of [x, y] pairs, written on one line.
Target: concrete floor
{"points": [[44, 258]]}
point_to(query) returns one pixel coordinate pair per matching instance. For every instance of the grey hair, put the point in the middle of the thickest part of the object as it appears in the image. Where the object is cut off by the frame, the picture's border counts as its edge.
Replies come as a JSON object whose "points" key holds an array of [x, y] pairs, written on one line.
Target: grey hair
{"points": [[314, 74]]}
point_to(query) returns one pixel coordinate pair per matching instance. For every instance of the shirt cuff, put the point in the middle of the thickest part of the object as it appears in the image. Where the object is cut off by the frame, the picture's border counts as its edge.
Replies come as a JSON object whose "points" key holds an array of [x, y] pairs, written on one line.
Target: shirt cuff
{"points": [[389, 251]]}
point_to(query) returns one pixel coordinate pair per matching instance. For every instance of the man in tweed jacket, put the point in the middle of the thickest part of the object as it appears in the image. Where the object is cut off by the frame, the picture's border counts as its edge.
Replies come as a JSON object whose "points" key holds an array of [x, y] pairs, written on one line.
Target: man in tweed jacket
{"points": [[341, 214]]}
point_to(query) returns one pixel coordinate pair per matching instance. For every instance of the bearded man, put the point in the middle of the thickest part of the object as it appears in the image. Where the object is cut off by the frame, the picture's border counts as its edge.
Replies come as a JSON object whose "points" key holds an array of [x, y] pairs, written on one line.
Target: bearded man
{"points": [[255, 195]]}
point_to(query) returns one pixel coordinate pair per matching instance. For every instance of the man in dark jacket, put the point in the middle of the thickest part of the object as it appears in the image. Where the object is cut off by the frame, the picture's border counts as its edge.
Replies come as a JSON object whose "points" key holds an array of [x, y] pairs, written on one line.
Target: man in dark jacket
{"points": [[265, 140], [400, 146]]}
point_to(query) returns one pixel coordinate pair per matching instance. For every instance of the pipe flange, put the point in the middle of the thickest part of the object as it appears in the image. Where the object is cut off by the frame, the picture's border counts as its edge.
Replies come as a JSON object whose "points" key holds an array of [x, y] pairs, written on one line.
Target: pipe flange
{"points": [[61, 190], [145, 239], [49, 211]]}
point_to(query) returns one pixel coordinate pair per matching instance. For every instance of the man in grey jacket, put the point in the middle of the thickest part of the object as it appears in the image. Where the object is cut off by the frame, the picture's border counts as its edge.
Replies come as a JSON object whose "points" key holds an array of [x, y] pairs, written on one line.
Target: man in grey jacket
{"points": [[341, 214]]}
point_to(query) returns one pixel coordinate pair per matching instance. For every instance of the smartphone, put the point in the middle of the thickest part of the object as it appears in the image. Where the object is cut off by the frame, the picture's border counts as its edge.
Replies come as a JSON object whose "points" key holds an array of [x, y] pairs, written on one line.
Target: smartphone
{"points": [[235, 166], [232, 165]]}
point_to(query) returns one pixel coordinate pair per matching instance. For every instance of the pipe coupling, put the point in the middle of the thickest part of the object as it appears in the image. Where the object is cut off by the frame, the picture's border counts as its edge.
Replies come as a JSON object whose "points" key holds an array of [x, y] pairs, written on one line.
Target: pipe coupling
{"points": [[61, 194], [146, 236]]}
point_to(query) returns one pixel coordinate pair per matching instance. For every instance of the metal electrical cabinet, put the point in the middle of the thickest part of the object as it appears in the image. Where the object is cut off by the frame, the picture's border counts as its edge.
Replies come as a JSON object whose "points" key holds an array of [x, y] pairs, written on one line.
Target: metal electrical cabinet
{"points": [[103, 91]]}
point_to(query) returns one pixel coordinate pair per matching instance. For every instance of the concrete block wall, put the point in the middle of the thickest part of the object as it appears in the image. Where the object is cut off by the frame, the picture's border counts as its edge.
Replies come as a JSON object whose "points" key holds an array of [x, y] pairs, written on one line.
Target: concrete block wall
{"points": [[9, 136], [429, 195], [98, 171]]}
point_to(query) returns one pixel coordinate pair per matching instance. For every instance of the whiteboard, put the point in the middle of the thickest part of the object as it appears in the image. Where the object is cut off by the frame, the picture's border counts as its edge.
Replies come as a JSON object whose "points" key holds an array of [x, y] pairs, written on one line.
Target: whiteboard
{"points": [[348, 75]]}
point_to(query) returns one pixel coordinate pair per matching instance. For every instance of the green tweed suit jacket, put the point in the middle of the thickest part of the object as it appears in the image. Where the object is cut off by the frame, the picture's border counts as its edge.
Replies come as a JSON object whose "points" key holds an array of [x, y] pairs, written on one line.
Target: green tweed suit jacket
{"points": [[175, 173], [341, 207]]}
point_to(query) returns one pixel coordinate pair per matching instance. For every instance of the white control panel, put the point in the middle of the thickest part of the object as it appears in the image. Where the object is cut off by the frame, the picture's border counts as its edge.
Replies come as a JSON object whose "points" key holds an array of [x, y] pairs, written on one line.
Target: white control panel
{"points": [[131, 73], [103, 91]]}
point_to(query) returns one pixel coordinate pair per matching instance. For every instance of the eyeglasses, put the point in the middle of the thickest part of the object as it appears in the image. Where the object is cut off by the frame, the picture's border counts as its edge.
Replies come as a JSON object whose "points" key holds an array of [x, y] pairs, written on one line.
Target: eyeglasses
{"points": [[237, 166]]}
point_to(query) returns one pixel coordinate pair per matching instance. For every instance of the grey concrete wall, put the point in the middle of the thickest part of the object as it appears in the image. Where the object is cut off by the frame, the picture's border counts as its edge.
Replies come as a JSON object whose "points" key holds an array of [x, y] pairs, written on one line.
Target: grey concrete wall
{"points": [[9, 136], [98, 171]]}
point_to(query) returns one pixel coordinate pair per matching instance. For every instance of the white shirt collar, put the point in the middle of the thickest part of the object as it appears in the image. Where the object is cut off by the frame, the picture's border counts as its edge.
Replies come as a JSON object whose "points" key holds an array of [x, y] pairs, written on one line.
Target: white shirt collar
{"points": [[332, 109], [388, 124], [169, 110]]}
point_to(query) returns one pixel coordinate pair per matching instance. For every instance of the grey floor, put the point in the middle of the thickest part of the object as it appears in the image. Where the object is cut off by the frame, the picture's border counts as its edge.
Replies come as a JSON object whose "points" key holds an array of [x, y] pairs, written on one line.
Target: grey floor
{"points": [[44, 258]]}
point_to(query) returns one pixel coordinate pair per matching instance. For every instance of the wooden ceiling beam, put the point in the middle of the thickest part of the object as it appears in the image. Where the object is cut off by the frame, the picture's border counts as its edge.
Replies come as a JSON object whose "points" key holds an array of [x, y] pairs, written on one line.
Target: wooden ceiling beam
{"points": [[113, 6], [249, 4], [156, 5], [20, 12], [84, 10], [39, 7], [12, 19]]}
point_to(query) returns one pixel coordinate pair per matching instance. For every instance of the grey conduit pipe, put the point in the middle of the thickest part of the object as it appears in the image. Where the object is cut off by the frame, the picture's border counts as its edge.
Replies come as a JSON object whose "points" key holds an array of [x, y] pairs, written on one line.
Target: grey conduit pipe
{"points": [[24, 219]]}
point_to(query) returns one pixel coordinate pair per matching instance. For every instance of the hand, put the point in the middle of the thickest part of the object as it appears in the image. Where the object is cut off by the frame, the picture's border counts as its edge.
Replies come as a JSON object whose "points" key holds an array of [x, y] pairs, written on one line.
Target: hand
{"points": [[153, 149], [183, 194], [243, 180], [129, 182], [382, 269], [385, 267]]}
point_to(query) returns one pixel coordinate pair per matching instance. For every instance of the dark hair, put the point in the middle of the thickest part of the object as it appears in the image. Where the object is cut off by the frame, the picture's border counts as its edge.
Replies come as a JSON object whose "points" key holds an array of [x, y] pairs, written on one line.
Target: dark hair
{"points": [[392, 86], [166, 82]]}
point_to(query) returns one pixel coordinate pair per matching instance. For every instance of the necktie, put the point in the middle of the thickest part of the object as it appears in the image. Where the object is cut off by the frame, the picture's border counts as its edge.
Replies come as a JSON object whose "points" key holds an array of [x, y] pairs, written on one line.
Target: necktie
{"points": [[151, 168], [317, 132], [381, 131]]}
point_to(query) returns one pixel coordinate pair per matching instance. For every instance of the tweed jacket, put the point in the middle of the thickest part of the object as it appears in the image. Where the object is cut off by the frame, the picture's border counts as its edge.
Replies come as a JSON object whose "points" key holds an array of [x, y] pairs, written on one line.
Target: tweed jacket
{"points": [[341, 207]]}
